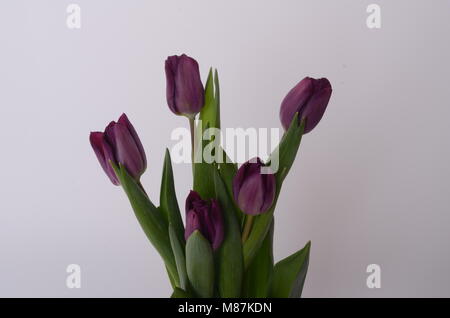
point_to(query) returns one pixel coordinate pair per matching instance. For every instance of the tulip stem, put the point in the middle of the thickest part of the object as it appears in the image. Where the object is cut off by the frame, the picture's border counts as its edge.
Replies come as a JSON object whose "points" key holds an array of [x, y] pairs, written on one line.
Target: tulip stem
{"points": [[247, 227], [192, 127]]}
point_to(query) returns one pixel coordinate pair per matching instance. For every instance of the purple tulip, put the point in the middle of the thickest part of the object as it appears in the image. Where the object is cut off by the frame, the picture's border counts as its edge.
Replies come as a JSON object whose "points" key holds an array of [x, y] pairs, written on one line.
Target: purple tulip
{"points": [[310, 99], [204, 217], [119, 144], [253, 192], [185, 93]]}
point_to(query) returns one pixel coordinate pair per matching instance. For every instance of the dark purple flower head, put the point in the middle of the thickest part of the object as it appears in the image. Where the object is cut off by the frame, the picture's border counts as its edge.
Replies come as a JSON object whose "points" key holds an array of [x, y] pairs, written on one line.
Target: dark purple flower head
{"points": [[253, 192], [185, 93], [309, 99], [119, 144], [205, 217]]}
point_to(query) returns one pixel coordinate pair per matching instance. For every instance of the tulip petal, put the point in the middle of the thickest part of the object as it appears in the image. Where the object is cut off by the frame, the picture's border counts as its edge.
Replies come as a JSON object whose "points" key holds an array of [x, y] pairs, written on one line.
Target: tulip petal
{"points": [[171, 65], [246, 169], [189, 92], [126, 151], [104, 154], [126, 122], [251, 196], [269, 185], [217, 220], [295, 100], [192, 197], [192, 223], [316, 106]]}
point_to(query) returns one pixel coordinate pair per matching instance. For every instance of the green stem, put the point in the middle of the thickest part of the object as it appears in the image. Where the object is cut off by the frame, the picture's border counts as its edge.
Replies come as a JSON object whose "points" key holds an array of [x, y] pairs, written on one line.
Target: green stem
{"points": [[247, 227], [192, 128]]}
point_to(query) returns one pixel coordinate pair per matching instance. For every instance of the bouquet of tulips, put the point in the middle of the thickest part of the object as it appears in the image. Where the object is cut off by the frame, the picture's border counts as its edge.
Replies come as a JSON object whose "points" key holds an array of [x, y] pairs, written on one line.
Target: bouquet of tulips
{"points": [[225, 247]]}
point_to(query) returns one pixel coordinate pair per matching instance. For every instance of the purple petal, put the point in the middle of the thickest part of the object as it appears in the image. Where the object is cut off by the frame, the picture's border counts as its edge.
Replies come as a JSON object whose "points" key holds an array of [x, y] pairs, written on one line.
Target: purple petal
{"points": [[104, 154], [251, 195], [269, 185], [124, 121], [192, 223], [191, 199], [189, 91], [217, 220], [295, 101], [171, 65], [247, 168], [127, 152], [316, 106]]}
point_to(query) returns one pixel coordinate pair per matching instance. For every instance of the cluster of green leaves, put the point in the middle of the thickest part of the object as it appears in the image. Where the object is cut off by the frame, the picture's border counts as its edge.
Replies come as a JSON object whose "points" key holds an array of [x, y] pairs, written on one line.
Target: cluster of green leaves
{"points": [[236, 268]]}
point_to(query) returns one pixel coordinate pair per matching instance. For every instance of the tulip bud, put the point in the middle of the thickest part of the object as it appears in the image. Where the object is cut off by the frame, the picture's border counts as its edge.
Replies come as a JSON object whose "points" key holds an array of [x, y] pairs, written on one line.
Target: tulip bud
{"points": [[185, 93], [309, 99], [253, 192], [104, 154], [204, 217], [119, 144]]}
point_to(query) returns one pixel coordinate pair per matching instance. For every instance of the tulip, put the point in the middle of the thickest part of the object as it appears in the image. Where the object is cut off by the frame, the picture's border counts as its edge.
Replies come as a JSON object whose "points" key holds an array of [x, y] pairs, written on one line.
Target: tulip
{"points": [[309, 99], [119, 144], [253, 192], [206, 217], [185, 93]]}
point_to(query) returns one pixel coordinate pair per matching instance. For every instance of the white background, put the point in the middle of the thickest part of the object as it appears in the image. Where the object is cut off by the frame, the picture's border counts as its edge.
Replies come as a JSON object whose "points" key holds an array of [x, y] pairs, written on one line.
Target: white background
{"points": [[370, 185]]}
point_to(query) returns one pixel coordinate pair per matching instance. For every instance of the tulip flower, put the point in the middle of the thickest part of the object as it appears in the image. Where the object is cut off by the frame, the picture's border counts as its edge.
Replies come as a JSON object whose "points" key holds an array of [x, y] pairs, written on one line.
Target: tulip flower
{"points": [[185, 93], [206, 217], [119, 144], [253, 192], [309, 99]]}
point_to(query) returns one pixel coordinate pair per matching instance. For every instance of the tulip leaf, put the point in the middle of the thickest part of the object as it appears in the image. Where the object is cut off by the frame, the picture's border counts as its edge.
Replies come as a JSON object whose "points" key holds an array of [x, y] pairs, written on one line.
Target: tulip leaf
{"points": [[203, 182], [180, 293], [227, 170], [168, 199], [290, 273], [230, 259], [203, 173], [210, 113], [285, 153], [258, 276], [152, 222], [287, 149], [217, 97], [200, 264], [209, 118], [180, 260]]}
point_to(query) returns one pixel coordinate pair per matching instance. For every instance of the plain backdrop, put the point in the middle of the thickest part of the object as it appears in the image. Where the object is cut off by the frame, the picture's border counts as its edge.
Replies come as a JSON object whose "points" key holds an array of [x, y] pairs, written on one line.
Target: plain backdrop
{"points": [[370, 185]]}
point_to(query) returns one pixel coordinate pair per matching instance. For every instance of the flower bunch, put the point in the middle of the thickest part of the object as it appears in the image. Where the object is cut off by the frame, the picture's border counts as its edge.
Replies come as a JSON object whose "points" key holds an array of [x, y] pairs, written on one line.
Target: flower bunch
{"points": [[225, 247]]}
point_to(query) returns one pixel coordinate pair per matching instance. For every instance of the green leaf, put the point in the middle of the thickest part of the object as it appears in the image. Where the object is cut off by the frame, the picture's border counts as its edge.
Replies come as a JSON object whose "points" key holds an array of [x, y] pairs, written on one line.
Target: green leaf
{"points": [[287, 148], [209, 118], [230, 258], [150, 219], [217, 98], [203, 179], [227, 170], [290, 273], [168, 199], [200, 264], [180, 260], [171, 279], [203, 173], [286, 153], [258, 276], [180, 293], [210, 113]]}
